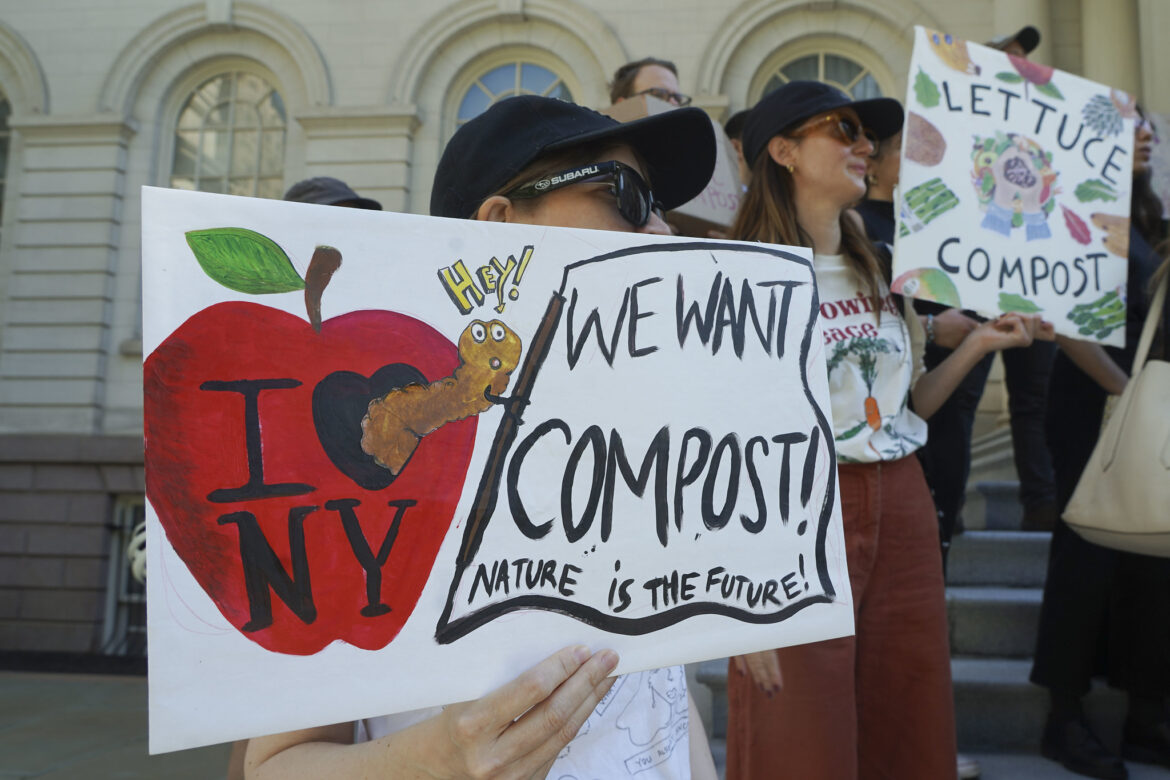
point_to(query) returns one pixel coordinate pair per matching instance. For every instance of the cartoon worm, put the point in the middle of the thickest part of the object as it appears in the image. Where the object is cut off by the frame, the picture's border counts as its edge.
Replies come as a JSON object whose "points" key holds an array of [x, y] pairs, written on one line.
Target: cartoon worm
{"points": [[395, 423]]}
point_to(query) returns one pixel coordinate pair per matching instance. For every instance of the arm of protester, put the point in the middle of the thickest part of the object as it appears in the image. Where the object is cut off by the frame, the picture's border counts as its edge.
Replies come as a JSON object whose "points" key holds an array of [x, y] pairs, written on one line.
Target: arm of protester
{"points": [[936, 385], [764, 669], [950, 327], [1094, 361], [518, 729], [702, 763]]}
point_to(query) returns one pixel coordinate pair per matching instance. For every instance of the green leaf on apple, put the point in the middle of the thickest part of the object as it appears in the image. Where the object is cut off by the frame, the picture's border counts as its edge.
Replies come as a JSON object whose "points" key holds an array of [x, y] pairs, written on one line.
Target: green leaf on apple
{"points": [[1011, 78], [244, 260]]}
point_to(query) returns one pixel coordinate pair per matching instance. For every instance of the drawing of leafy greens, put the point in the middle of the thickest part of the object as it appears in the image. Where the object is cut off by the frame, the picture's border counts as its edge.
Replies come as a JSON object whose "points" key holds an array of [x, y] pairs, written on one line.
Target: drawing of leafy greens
{"points": [[1095, 189], [926, 90], [1018, 303], [1101, 317]]}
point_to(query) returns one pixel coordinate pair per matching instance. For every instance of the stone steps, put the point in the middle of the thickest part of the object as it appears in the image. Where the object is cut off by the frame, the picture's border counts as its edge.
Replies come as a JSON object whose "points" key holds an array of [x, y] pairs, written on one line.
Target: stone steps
{"points": [[993, 621]]}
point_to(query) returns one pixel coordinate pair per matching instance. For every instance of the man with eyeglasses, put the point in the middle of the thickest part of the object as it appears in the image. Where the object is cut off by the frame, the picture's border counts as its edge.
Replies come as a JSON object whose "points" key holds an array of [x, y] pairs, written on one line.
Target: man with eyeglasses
{"points": [[648, 76]]}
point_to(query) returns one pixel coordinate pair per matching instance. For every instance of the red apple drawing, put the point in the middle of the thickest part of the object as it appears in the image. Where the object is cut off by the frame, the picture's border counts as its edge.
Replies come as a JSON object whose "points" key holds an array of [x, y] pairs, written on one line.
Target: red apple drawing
{"points": [[294, 549]]}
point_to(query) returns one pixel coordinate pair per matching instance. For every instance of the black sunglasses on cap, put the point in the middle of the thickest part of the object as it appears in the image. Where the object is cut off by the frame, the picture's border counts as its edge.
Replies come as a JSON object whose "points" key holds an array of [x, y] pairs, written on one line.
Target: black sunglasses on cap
{"points": [[635, 201]]}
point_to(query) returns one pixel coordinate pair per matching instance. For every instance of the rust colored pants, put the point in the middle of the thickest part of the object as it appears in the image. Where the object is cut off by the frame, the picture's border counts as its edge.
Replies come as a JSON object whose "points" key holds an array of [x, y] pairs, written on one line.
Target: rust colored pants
{"points": [[878, 704]]}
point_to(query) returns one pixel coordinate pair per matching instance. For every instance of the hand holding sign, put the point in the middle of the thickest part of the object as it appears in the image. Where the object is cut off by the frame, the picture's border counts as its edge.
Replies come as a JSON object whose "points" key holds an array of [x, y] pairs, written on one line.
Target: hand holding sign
{"points": [[515, 731]]}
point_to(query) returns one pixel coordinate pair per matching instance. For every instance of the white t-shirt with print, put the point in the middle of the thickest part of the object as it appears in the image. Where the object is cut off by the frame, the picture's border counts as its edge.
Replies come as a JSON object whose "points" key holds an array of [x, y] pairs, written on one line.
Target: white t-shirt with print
{"points": [[640, 729], [872, 365]]}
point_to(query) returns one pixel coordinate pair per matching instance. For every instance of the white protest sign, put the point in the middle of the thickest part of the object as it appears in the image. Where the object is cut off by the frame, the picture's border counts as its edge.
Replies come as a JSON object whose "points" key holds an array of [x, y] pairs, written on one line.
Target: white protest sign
{"points": [[393, 461], [1014, 188]]}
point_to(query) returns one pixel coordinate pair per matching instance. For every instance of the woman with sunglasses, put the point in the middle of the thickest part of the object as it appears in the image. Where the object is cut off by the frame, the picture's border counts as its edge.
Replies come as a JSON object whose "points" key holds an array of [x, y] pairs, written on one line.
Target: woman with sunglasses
{"points": [[877, 704], [535, 161]]}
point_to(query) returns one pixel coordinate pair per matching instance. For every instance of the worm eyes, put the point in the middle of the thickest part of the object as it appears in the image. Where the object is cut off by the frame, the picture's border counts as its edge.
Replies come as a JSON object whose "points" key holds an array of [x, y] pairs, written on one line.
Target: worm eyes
{"points": [[498, 331], [478, 332]]}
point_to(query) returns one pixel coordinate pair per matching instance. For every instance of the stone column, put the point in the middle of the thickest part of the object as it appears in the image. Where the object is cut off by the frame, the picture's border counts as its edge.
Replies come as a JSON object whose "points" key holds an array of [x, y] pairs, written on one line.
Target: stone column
{"points": [[64, 244], [1010, 15], [369, 149], [1154, 23], [1110, 43]]}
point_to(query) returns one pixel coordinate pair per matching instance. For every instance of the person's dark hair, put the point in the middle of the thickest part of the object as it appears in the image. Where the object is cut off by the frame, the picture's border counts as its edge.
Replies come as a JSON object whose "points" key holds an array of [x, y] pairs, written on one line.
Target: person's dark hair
{"points": [[734, 125], [1145, 209], [623, 78], [768, 213]]}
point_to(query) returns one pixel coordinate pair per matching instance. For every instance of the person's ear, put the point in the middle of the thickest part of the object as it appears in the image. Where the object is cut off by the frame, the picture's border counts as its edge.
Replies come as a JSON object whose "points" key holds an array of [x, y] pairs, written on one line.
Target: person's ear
{"points": [[497, 208], [782, 151]]}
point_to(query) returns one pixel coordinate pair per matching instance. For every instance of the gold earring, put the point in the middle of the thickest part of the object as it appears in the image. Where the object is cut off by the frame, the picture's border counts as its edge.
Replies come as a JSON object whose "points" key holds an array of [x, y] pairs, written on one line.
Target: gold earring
{"points": [[790, 168]]}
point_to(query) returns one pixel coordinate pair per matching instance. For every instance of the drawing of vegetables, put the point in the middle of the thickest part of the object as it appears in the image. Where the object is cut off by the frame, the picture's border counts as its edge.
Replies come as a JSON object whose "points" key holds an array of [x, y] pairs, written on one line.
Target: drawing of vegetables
{"points": [[952, 52], [931, 284], [1076, 226], [866, 349], [924, 203], [1009, 302], [1102, 316], [1102, 116], [926, 90], [1040, 76], [1095, 189], [925, 145]]}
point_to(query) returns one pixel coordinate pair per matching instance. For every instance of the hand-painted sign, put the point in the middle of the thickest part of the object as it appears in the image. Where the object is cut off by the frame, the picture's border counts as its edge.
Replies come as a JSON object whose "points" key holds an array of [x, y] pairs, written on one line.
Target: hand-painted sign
{"points": [[1014, 188], [394, 470]]}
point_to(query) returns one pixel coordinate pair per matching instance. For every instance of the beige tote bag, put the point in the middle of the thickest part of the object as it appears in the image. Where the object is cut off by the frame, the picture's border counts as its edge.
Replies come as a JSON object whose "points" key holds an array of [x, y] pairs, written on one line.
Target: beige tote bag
{"points": [[1122, 500]]}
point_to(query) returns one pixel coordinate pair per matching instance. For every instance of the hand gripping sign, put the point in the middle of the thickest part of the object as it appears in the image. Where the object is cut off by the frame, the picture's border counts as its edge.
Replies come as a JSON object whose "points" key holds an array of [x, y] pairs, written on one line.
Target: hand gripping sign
{"points": [[387, 469]]}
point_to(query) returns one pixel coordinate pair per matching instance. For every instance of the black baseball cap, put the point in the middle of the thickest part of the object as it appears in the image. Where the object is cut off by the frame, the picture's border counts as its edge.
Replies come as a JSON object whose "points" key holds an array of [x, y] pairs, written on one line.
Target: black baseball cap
{"points": [[678, 147], [1028, 37], [329, 192], [791, 104]]}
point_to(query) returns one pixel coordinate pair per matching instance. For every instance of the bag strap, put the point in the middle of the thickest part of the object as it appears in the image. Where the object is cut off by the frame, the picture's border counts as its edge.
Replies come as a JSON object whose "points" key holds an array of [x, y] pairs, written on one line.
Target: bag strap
{"points": [[1152, 318]]}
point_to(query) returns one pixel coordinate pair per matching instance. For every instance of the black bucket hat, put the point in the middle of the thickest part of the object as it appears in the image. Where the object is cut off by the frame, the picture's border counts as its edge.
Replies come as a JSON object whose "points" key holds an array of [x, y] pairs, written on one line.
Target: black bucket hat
{"points": [[796, 101], [678, 147]]}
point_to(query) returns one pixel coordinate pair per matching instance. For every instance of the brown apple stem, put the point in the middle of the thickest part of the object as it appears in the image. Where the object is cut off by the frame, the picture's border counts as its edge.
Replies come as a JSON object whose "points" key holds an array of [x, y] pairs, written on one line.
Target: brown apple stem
{"points": [[325, 261]]}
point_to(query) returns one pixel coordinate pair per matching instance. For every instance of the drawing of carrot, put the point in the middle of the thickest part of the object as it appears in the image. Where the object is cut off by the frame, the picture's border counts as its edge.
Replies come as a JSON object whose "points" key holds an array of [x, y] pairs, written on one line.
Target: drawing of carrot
{"points": [[866, 349], [867, 361]]}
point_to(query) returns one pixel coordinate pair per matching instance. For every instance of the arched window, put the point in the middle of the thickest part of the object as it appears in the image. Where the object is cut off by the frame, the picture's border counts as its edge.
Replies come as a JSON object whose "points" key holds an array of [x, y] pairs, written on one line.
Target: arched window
{"points": [[835, 69], [502, 81], [229, 138], [5, 111]]}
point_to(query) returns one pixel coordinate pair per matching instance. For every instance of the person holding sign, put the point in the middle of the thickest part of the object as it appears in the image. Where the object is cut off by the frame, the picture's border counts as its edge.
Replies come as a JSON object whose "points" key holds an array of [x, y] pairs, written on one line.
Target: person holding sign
{"points": [[1093, 592], [878, 704], [946, 458], [536, 161]]}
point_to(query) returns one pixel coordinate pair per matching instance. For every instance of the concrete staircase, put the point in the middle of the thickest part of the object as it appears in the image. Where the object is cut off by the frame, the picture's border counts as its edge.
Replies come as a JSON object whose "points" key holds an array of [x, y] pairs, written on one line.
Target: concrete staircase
{"points": [[995, 583]]}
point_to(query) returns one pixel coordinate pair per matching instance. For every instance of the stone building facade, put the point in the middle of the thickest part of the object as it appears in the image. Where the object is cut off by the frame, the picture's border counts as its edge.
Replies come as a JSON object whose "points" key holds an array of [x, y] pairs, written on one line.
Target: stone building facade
{"points": [[100, 99]]}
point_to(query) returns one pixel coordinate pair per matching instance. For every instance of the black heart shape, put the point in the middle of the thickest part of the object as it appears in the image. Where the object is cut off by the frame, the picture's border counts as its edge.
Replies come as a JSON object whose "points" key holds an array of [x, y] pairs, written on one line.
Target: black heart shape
{"points": [[340, 401]]}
